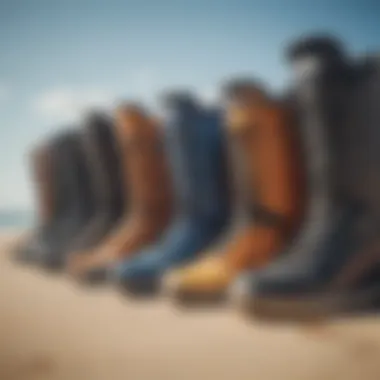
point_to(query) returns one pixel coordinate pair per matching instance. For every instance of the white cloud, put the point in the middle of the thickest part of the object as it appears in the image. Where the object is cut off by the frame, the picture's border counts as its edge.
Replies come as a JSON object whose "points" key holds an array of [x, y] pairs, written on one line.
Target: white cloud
{"points": [[209, 95], [66, 104], [145, 84]]}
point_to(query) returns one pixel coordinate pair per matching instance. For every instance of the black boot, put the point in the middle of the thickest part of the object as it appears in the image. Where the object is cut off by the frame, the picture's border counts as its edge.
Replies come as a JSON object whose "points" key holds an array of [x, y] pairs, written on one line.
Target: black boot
{"points": [[43, 172], [338, 225], [103, 157], [30, 251], [78, 202]]}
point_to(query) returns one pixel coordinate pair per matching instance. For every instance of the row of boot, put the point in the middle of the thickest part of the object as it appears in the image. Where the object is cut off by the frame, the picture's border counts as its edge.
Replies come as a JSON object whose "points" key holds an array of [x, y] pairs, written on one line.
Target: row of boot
{"points": [[272, 201]]}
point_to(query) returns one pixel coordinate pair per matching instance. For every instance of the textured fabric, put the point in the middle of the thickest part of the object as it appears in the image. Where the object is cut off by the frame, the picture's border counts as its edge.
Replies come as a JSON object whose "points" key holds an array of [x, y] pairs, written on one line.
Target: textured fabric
{"points": [[195, 147], [150, 197], [265, 139]]}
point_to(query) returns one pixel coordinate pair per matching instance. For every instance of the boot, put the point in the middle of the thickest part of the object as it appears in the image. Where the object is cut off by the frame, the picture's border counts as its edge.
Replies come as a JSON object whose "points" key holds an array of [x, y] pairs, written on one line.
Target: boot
{"points": [[42, 170], [195, 147], [78, 203], [150, 207], [340, 229], [110, 193], [45, 195], [266, 148], [32, 249]]}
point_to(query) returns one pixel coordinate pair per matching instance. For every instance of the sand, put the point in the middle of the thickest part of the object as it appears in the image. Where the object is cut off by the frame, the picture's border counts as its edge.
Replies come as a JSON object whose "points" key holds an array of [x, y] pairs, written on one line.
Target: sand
{"points": [[51, 328]]}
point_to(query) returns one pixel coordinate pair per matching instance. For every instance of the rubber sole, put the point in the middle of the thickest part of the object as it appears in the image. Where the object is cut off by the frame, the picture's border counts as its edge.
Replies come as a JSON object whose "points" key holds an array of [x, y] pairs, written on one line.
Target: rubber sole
{"points": [[320, 306]]}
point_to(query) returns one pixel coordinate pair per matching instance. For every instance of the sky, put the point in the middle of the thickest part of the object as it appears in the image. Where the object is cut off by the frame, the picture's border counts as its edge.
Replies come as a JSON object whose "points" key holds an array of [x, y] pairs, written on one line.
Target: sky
{"points": [[59, 57]]}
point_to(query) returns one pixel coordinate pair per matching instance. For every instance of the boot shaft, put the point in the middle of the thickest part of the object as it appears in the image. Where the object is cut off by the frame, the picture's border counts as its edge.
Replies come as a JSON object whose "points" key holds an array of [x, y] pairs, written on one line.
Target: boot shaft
{"points": [[338, 98], [363, 136], [103, 156], [195, 145], [144, 163], [59, 173], [42, 169], [267, 147], [323, 82], [74, 184]]}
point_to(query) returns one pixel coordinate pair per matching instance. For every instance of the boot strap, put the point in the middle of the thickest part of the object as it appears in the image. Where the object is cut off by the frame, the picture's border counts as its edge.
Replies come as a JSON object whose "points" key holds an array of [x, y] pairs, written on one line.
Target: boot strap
{"points": [[265, 216], [141, 144]]}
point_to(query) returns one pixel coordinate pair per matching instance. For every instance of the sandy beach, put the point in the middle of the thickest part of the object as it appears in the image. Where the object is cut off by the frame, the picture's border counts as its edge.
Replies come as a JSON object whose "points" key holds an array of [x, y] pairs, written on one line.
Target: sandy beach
{"points": [[51, 328]]}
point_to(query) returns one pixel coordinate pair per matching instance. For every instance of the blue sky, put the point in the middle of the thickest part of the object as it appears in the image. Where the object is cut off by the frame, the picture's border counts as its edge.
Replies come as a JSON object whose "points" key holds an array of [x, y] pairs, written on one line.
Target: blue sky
{"points": [[60, 56]]}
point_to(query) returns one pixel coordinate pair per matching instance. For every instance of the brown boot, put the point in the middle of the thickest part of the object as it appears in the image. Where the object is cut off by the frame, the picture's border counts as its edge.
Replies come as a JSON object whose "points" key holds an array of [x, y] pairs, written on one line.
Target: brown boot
{"points": [[41, 168], [150, 194], [263, 133]]}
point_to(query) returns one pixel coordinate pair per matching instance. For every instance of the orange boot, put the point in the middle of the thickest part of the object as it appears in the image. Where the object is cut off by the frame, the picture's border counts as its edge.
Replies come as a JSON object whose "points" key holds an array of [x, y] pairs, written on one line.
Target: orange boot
{"points": [[262, 132], [149, 192]]}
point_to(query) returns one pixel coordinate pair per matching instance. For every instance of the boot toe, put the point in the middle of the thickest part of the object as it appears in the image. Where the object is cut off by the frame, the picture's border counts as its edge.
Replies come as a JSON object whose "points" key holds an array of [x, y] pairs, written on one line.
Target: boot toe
{"points": [[139, 277], [204, 284]]}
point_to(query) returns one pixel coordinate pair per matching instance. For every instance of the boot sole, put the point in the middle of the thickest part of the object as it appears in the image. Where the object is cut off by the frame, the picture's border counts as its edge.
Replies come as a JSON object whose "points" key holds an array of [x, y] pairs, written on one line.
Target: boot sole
{"points": [[320, 306], [92, 278], [139, 289], [51, 264], [194, 299], [22, 259]]}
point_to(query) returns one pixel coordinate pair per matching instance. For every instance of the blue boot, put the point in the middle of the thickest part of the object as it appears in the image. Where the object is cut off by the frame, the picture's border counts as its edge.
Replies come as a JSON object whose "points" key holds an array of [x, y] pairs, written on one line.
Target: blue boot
{"points": [[196, 151]]}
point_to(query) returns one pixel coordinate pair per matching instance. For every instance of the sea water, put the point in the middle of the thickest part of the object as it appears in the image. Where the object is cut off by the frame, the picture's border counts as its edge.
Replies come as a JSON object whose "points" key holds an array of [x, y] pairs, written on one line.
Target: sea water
{"points": [[16, 218]]}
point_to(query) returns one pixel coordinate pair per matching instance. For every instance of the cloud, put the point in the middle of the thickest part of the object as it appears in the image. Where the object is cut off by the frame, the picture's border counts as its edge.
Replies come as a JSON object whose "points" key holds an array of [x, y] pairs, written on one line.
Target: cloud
{"points": [[209, 95], [66, 104], [145, 84]]}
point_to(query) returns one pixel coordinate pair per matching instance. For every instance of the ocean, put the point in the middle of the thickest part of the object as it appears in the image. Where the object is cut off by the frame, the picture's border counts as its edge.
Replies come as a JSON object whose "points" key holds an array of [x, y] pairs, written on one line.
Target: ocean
{"points": [[16, 218]]}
